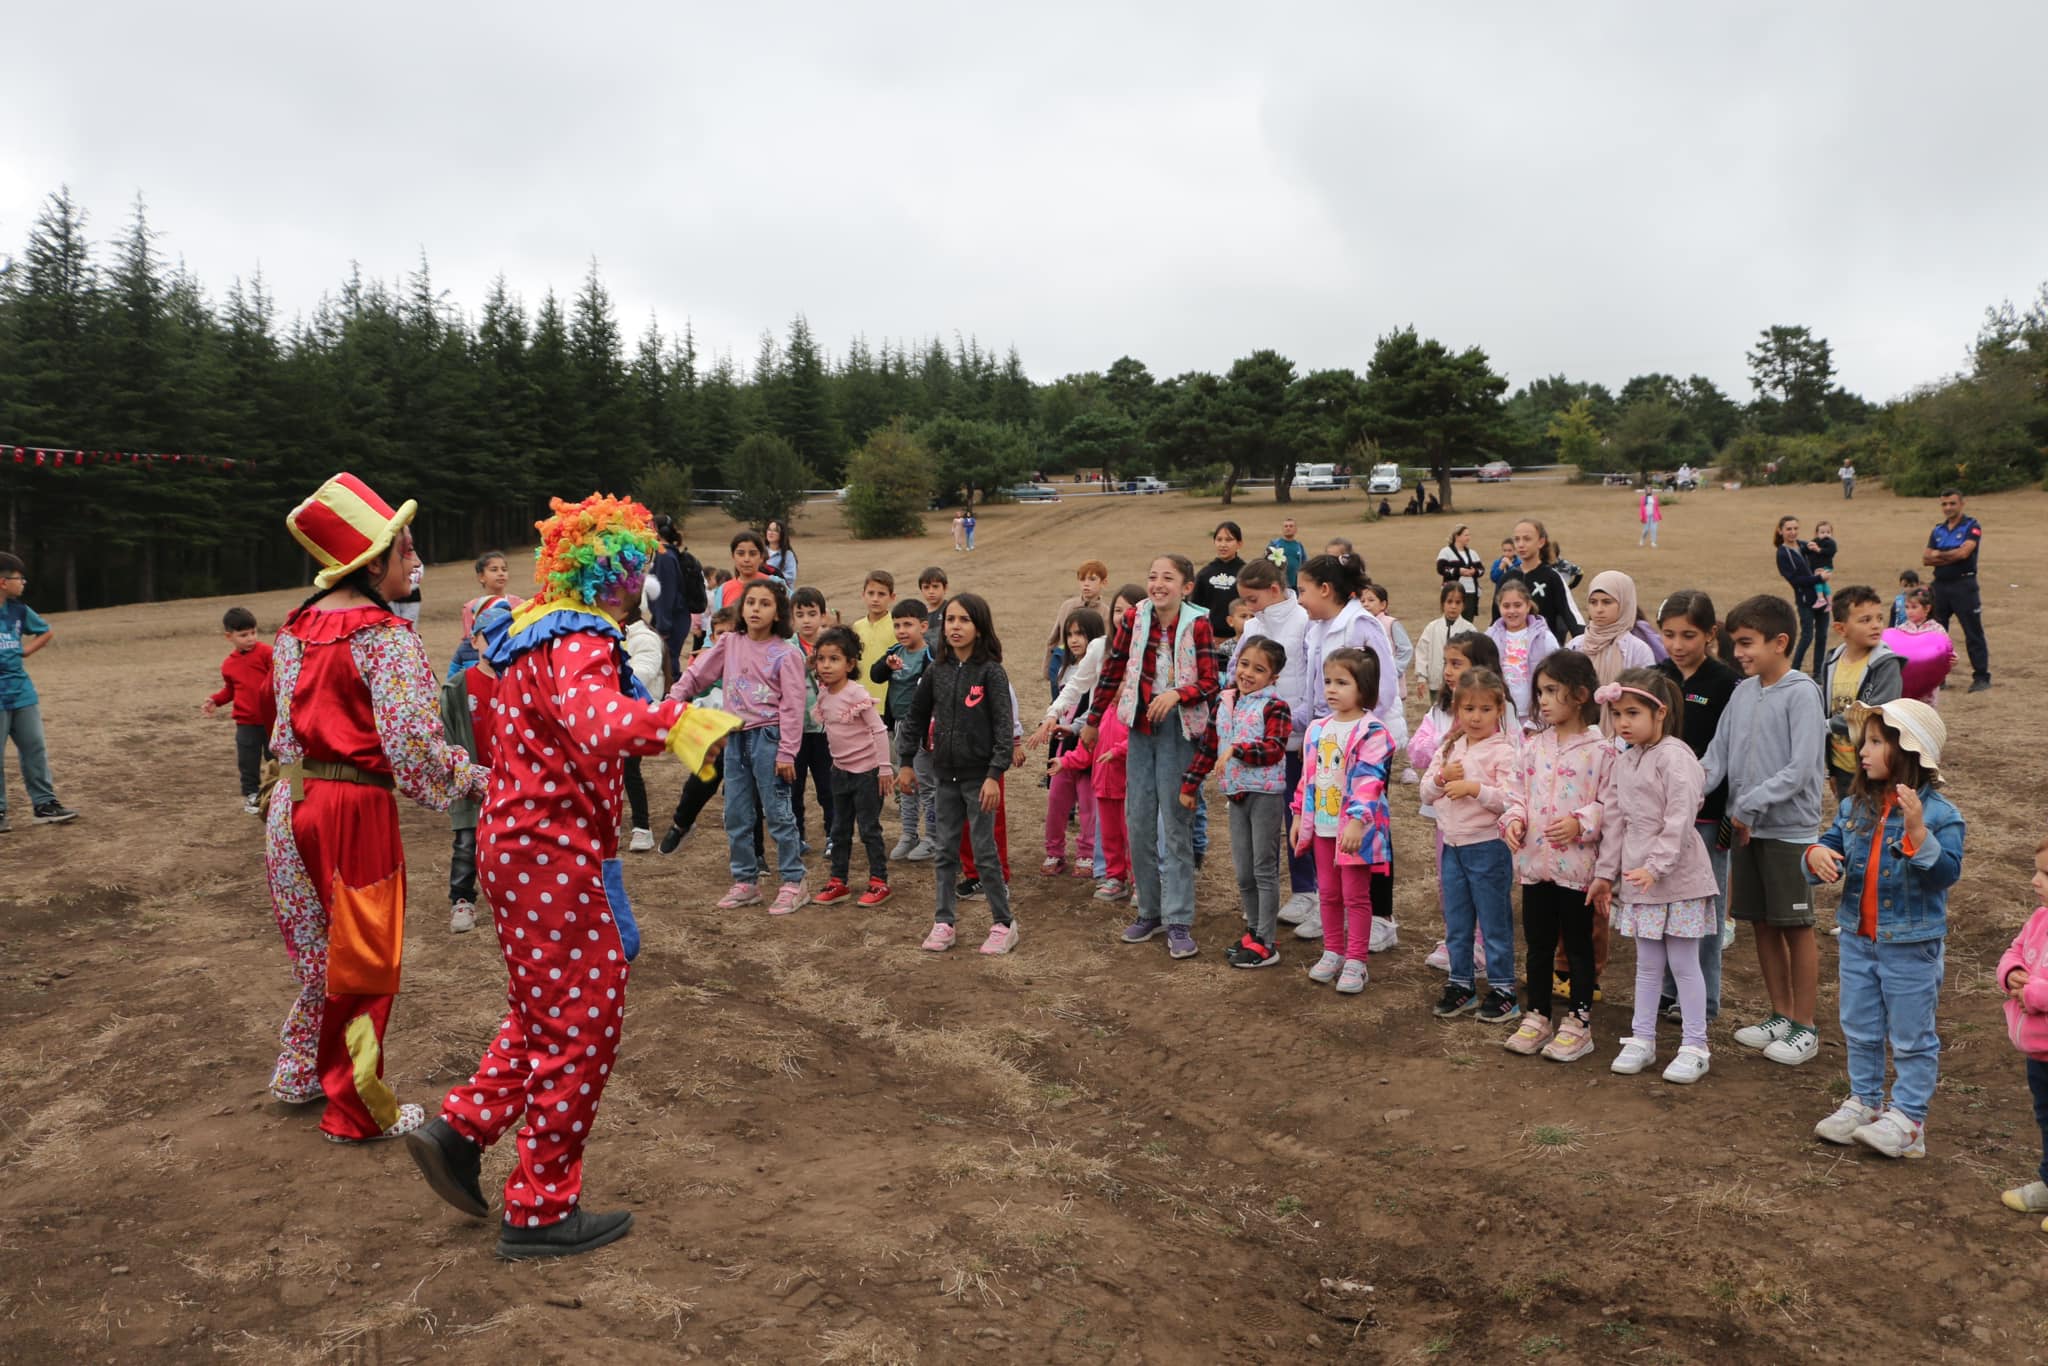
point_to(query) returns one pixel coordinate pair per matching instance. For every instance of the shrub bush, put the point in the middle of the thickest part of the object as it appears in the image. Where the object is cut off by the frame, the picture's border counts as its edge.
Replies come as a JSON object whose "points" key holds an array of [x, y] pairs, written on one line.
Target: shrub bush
{"points": [[889, 485]]}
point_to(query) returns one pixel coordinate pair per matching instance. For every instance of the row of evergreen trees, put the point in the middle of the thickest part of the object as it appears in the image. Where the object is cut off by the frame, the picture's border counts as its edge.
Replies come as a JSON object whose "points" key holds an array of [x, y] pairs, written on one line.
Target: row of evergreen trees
{"points": [[482, 418], [479, 419]]}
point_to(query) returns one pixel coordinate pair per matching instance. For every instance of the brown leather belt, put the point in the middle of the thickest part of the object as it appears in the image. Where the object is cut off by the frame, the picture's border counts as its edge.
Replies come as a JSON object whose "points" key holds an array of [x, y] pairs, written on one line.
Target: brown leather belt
{"points": [[296, 775]]}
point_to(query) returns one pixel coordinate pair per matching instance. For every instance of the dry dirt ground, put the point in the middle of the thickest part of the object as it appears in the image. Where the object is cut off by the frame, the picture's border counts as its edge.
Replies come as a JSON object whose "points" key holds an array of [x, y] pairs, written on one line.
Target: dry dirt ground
{"points": [[843, 1149]]}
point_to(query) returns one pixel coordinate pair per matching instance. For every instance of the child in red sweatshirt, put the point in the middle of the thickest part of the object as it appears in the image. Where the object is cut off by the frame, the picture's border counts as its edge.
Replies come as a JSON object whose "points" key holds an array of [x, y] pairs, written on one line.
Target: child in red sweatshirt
{"points": [[245, 682]]}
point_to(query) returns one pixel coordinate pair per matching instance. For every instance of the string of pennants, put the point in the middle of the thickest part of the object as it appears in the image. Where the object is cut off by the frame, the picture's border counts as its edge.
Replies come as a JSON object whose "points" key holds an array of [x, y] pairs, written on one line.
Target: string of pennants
{"points": [[49, 457]]}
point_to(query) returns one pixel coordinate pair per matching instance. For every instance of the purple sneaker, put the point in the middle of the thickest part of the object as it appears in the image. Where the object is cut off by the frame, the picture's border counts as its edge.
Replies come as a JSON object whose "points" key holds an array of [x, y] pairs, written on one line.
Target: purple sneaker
{"points": [[1141, 929], [1180, 942]]}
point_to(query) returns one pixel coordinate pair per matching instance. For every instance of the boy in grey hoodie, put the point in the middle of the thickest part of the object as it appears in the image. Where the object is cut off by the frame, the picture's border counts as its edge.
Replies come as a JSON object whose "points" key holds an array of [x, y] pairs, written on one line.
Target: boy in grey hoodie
{"points": [[1860, 669], [1774, 725]]}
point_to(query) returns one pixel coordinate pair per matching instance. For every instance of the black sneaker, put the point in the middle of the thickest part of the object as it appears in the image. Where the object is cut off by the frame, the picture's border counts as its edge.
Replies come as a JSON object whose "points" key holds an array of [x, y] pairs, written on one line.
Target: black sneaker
{"points": [[1456, 1000], [1980, 685], [54, 813], [1200, 855], [1248, 952], [970, 890], [580, 1232], [673, 838], [1499, 1008], [1669, 1010], [5, 825], [451, 1164]]}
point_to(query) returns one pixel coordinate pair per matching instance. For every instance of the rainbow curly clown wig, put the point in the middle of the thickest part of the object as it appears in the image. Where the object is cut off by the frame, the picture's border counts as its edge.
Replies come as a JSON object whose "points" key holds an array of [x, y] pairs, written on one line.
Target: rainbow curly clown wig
{"points": [[591, 550]]}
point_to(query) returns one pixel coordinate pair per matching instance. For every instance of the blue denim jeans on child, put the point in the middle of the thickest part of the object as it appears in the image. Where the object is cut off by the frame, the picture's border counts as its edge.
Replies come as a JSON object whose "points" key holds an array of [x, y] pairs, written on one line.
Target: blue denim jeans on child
{"points": [[1156, 820], [750, 777], [1889, 992], [1478, 888], [25, 725]]}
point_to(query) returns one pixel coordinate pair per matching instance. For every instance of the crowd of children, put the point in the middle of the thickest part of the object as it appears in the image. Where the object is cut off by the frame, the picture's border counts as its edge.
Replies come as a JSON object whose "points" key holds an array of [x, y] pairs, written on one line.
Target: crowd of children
{"points": [[1658, 776]]}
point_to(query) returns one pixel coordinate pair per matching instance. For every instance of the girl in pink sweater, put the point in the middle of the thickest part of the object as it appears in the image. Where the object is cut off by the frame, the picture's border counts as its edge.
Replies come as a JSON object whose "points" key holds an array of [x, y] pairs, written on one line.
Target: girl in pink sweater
{"points": [[1649, 846], [2023, 977], [1553, 824], [1468, 783]]}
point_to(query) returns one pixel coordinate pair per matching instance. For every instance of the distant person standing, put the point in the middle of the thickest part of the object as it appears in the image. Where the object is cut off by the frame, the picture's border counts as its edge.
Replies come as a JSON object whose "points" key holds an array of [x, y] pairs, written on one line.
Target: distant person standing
{"points": [[1506, 565], [1795, 569], [1457, 564], [1288, 552], [967, 526], [781, 561], [1649, 512], [22, 633], [1952, 551], [959, 531], [1847, 474], [1216, 581]]}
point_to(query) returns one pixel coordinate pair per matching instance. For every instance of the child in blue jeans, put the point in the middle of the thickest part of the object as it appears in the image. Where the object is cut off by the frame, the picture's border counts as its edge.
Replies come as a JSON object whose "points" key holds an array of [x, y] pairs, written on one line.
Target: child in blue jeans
{"points": [[1468, 784], [1897, 847]]}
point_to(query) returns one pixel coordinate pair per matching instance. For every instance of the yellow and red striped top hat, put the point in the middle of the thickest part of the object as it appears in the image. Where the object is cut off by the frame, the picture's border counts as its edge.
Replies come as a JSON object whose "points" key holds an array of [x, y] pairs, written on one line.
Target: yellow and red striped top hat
{"points": [[345, 525]]}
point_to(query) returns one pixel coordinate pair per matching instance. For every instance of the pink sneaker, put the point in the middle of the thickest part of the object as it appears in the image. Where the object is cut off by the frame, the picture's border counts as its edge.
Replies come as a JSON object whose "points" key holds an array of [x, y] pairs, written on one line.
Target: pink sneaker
{"points": [[939, 940], [1001, 939], [742, 894], [792, 896]]}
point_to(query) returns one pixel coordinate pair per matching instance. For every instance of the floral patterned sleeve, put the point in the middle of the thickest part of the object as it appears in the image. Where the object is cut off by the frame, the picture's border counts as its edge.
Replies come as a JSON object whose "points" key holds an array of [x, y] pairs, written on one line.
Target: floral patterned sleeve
{"points": [[284, 677], [407, 708]]}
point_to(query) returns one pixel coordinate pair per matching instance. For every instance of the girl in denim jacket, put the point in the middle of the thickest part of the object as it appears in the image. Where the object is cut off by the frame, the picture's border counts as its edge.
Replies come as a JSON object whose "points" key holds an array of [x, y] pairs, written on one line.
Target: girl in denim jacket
{"points": [[1897, 847]]}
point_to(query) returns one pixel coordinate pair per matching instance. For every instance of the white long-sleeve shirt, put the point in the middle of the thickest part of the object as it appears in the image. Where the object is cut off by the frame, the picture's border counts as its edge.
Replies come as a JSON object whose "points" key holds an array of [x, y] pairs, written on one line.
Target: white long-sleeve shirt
{"points": [[1286, 624]]}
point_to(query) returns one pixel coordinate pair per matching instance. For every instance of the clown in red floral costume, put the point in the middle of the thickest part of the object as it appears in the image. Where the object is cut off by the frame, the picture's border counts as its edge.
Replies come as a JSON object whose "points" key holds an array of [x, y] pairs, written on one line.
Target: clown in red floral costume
{"points": [[357, 720], [566, 713]]}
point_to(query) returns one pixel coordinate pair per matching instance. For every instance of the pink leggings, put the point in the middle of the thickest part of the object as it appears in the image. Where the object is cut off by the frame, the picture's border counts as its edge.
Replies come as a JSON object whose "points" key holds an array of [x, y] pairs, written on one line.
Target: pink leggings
{"points": [[1346, 893], [1070, 789]]}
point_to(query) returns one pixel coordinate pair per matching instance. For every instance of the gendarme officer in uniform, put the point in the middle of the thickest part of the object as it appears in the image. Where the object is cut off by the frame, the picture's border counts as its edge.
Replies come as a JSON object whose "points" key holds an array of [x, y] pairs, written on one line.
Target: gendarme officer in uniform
{"points": [[1952, 551]]}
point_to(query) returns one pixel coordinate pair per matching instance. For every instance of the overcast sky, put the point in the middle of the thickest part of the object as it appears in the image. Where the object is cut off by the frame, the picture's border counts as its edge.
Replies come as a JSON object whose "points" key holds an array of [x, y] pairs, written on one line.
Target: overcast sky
{"points": [[1597, 189]]}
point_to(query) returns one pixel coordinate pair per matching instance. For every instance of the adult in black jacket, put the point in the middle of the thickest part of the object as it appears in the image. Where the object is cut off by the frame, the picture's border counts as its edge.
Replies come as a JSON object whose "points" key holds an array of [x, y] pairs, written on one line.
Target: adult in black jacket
{"points": [[680, 597], [1797, 570], [1548, 592]]}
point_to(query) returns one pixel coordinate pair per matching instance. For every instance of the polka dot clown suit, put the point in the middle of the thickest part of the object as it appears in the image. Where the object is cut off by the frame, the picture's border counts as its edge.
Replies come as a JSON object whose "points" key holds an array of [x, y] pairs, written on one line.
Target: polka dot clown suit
{"points": [[564, 716]]}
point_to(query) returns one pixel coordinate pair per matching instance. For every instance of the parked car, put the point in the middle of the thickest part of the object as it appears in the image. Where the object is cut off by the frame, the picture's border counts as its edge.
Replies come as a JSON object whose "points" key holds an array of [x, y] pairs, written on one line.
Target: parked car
{"points": [[1144, 483], [1385, 479], [1032, 493], [1496, 472], [1317, 478]]}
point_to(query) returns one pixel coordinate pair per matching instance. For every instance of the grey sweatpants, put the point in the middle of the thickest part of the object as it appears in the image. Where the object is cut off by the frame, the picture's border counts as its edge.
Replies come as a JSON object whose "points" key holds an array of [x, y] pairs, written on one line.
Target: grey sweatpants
{"points": [[1258, 827], [914, 810], [960, 808]]}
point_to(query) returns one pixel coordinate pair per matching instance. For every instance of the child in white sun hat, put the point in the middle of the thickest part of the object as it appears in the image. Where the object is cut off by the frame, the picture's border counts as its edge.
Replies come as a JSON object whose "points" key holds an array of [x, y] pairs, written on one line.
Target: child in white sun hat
{"points": [[1897, 847]]}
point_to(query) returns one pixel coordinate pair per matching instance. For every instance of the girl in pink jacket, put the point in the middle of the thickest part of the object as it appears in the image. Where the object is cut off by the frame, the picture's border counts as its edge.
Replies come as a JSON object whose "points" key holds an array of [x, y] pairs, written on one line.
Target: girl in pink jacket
{"points": [[1103, 769], [1665, 900], [2023, 977], [1553, 823]]}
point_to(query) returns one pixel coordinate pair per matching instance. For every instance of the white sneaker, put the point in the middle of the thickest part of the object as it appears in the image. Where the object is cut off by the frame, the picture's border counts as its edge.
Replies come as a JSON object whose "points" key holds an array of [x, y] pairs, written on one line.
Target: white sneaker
{"points": [[1439, 957], [1765, 1034], [1801, 1045], [1385, 934], [462, 917], [903, 848], [1297, 906], [1841, 1126], [641, 843], [1635, 1055], [1727, 933], [1326, 967], [925, 852], [1311, 926], [252, 805], [1352, 980], [1688, 1067], [1409, 777], [1894, 1135]]}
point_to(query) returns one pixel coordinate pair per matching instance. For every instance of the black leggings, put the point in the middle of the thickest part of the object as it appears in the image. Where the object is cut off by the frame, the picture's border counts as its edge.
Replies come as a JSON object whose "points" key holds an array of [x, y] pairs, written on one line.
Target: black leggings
{"points": [[1549, 911]]}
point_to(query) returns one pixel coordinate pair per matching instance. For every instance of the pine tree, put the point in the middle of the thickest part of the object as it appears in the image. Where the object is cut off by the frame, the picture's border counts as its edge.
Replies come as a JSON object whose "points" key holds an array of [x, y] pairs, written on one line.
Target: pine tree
{"points": [[800, 406]]}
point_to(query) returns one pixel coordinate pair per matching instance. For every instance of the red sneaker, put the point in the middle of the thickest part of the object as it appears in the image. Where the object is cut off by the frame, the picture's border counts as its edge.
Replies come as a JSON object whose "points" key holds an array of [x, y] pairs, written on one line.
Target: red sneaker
{"points": [[835, 890], [877, 892]]}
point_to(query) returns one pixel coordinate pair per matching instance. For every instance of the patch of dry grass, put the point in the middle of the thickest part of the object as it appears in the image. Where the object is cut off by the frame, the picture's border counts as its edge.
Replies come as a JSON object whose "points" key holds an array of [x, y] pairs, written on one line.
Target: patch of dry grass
{"points": [[640, 1298], [1739, 1199], [53, 1139], [872, 1343]]}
